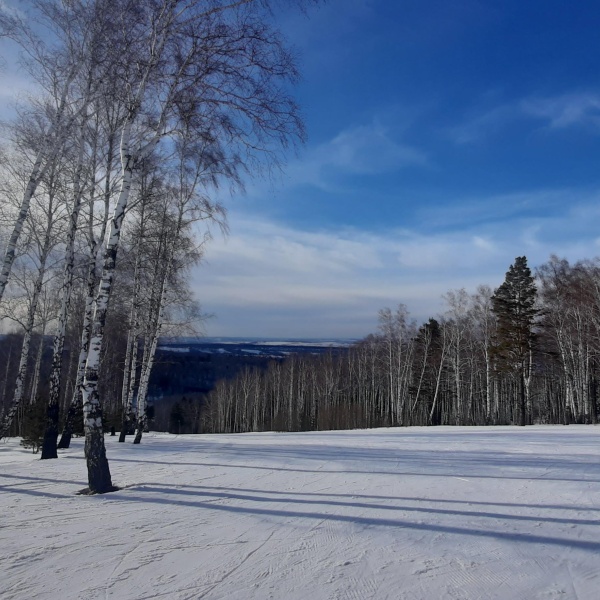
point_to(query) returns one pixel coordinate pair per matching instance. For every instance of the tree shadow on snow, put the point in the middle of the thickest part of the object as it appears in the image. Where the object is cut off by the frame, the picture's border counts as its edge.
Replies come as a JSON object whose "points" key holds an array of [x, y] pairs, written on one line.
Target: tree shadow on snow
{"points": [[31, 478], [444, 468], [168, 487], [222, 494], [209, 504], [35, 493]]}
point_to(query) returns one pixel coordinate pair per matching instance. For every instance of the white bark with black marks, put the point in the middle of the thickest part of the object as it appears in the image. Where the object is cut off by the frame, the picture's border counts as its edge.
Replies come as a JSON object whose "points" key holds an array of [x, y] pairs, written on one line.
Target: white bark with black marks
{"points": [[51, 433]]}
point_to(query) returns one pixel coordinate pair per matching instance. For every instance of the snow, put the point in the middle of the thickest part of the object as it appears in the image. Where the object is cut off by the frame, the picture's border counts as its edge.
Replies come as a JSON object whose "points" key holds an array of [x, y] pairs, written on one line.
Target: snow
{"points": [[417, 513], [312, 343], [173, 349]]}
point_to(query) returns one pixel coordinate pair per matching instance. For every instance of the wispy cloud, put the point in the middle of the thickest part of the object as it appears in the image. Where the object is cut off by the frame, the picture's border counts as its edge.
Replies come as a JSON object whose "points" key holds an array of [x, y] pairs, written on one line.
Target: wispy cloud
{"points": [[483, 124], [479, 210], [552, 112], [369, 150], [361, 150], [569, 110]]}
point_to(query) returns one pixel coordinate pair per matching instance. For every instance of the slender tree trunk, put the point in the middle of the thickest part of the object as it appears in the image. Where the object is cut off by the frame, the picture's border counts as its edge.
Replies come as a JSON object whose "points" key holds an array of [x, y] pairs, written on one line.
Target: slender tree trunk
{"points": [[19, 390], [77, 399], [488, 391], [6, 371], [437, 385], [49, 445], [128, 377], [45, 158], [456, 359], [95, 246], [130, 372], [527, 385], [38, 365], [99, 477], [149, 363], [422, 374], [522, 399]]}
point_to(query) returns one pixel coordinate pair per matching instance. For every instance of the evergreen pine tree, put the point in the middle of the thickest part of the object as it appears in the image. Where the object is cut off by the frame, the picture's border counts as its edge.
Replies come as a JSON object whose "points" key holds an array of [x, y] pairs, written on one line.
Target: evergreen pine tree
{"points": [[513, 304], [34, 425], [176, 418]]}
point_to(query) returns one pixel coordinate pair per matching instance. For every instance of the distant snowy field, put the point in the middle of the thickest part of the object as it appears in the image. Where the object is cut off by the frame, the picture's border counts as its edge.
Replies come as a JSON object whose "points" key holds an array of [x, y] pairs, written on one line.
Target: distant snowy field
{"points": [[419, 513]]}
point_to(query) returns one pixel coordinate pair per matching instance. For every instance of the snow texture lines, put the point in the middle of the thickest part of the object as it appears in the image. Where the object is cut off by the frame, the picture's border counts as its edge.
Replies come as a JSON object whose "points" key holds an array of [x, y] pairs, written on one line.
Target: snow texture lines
{"points": [[392, 514]]}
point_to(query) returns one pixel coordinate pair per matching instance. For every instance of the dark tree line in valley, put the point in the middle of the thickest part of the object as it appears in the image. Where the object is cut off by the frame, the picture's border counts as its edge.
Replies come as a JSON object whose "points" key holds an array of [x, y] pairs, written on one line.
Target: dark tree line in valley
{"points": [[527, 352]]}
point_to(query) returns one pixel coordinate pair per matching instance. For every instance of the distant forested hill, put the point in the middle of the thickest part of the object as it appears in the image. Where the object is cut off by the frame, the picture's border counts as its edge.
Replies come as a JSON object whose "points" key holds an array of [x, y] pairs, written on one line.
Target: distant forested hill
{"points": [[188, 369]]}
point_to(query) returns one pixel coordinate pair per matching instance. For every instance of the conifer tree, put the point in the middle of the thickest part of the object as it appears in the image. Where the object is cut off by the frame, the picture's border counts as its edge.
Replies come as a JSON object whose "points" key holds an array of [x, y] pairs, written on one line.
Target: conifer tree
{"points": [[33, 425], [513, 304]]}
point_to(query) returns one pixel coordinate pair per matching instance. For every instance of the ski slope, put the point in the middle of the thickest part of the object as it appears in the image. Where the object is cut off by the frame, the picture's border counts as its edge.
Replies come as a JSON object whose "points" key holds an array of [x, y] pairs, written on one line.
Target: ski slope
{"points": [[418, 513]]}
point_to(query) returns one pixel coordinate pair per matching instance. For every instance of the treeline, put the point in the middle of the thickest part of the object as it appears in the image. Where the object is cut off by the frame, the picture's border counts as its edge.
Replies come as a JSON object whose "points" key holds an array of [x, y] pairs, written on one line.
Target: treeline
{"points": [[527, 352]]}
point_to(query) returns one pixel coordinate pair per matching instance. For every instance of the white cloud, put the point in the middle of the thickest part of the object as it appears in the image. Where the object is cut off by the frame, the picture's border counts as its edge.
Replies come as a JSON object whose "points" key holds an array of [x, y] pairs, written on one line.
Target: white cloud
{"points": [[483, 244], [568, 110], [361, 150], [273, 280], [369, 150]]}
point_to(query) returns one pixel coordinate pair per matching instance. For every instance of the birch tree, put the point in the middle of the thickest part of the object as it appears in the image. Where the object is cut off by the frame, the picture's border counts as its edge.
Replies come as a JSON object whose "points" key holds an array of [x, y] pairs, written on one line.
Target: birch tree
{"points": [[41, 225], [97, 218], [197, 165], [483, 316], [221, 68], [570, 331], [79, 182], [218, 69]]}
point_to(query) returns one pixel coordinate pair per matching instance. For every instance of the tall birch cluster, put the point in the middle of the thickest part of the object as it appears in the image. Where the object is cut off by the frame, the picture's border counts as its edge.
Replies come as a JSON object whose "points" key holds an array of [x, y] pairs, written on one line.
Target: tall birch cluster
{"points": [[524, 353], [143, 110]]}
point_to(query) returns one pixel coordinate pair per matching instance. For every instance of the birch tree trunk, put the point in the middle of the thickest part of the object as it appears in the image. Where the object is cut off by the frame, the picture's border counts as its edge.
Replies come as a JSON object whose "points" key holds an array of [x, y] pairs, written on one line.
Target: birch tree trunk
{"points": [[128, 377], [439, 373], [38, 363], [77, 400], [45, 159], [149, 363], [11, 248], [49, 445], [130, 374], [95, 247], [99, 478]]}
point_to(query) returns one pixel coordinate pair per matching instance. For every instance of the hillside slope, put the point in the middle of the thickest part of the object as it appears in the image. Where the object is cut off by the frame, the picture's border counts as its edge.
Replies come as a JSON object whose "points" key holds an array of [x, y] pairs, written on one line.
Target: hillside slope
{"points": [[474, 513]]}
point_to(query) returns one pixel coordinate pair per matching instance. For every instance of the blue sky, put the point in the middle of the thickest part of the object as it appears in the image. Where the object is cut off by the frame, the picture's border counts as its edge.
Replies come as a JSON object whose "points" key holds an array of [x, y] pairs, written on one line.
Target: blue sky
{"points": [[445, 139]]}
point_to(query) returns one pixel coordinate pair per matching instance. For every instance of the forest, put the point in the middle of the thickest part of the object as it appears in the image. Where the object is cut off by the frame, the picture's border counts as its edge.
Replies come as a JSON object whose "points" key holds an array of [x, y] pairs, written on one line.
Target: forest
{"points": [[527, 352], [524, 353]]}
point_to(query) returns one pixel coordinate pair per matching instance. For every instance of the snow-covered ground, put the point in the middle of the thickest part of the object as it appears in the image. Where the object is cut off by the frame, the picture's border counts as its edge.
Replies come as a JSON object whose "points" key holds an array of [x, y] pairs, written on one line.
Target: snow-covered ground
{"points": [[473, 513]]}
